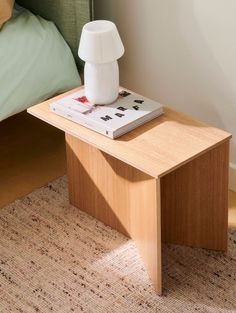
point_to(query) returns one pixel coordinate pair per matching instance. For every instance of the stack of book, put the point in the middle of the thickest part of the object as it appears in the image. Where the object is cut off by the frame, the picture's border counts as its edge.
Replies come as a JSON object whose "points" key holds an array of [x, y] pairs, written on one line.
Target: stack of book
{"points": [[129, 111]]}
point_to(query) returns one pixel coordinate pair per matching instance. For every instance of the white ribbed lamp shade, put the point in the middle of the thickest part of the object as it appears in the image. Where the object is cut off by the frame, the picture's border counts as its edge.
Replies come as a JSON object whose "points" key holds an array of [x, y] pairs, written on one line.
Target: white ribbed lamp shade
{"points": [[100, 42]]}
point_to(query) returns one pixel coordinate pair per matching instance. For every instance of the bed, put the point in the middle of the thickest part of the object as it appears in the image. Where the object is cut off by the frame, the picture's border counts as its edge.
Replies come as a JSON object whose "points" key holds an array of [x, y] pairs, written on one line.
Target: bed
{"points": [[52, 65]]}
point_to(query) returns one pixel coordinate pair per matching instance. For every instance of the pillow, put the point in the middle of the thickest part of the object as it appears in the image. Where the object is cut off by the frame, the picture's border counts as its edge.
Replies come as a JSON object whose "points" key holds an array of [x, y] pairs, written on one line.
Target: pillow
{"points": [[69, 16], [35, 62], [5, 10]]}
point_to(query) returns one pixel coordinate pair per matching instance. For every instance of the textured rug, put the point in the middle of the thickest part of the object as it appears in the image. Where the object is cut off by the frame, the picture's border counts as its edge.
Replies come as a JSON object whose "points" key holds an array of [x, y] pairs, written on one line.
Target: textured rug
{"points": [[55, 258]]}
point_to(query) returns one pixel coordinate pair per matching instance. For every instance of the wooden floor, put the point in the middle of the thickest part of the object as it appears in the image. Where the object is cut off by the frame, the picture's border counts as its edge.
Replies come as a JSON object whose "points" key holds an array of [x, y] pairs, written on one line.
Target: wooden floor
{"points": [[32, 153], [232, 209]]}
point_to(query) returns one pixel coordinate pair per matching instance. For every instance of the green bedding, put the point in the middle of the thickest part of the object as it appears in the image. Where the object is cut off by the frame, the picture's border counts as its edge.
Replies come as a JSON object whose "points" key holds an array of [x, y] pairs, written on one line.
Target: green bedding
{"points": [[69, 17], [35, 63]]}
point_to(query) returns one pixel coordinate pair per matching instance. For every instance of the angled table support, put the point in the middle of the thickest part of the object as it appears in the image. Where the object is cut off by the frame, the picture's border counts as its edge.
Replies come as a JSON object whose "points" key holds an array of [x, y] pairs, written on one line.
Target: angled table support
{"points": [[119, 195], [187, 206]]}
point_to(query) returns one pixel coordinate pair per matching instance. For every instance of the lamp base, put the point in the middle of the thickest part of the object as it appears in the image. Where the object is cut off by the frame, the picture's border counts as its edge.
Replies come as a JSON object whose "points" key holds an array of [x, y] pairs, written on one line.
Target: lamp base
{"points": [[101, 82]]}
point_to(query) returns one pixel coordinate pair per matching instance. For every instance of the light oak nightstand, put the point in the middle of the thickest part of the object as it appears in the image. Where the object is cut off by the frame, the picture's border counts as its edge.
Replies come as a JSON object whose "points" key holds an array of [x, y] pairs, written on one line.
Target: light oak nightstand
{"points": [[166, 181]]}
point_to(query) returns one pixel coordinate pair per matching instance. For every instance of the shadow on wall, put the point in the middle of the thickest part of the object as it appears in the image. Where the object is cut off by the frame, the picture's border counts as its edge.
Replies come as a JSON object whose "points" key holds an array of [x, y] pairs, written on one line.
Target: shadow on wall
{"points": [[178, 52]]}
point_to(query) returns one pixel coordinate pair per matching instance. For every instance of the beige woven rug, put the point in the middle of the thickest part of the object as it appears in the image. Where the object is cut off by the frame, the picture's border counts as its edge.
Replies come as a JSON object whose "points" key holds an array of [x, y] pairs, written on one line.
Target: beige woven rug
{"points": [[54, 258]]}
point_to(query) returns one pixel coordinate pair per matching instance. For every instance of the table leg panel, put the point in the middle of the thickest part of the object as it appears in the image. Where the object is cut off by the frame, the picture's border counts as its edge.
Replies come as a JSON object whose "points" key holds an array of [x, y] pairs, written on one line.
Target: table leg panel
{"points": [[194, 200], [119, 195]]}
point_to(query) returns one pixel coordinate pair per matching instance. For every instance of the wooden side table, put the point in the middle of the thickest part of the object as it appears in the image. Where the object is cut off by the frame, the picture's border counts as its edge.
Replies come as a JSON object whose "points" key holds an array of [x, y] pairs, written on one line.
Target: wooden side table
{"points": [[166, 181]]}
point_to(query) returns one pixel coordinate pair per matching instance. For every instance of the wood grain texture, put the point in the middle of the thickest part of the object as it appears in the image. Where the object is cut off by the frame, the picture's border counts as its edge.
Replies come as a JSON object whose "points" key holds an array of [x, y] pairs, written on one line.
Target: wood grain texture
{"points": [[232, 209], [194, 201], [156, 148], [120, 196], [167, 178], [32, 153]]}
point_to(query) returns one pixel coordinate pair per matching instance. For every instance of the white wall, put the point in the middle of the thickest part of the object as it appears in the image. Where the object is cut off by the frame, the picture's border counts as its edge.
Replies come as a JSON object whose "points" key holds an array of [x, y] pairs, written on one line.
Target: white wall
{"points": [[181, 53]]}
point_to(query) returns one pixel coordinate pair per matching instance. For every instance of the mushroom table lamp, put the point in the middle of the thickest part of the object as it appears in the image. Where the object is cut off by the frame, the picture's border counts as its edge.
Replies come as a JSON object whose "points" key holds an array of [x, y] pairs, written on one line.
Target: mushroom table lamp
{"points": [[100, 47]]}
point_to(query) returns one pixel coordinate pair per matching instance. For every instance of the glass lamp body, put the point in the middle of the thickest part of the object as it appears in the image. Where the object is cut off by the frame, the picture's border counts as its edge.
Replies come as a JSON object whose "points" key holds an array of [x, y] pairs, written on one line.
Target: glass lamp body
{"points": [[101, 81]]}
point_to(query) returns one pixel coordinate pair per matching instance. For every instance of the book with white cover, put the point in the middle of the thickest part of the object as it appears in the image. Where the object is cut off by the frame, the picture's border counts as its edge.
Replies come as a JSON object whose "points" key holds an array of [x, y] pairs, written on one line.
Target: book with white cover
{"points": [[129, 111]]}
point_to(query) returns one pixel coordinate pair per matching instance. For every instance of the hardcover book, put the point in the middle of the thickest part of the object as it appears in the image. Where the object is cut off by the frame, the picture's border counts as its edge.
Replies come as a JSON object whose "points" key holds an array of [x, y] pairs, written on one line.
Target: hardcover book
{"points": [[129, 111]]}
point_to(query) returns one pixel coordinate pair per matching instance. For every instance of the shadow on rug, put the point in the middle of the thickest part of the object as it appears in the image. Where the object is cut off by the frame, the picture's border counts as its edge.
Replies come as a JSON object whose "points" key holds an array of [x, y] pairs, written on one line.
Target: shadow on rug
{"points": [[55, 258]]}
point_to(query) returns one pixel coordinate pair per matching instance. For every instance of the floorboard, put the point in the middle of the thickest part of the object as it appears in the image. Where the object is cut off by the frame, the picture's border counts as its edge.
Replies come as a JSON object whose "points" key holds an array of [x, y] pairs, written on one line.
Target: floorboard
{"points": [[32, 153]]}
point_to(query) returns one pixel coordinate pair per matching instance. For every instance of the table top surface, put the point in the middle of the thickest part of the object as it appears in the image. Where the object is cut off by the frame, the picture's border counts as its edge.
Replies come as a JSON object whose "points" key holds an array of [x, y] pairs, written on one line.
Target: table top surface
{"points": [[156, 148]]}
